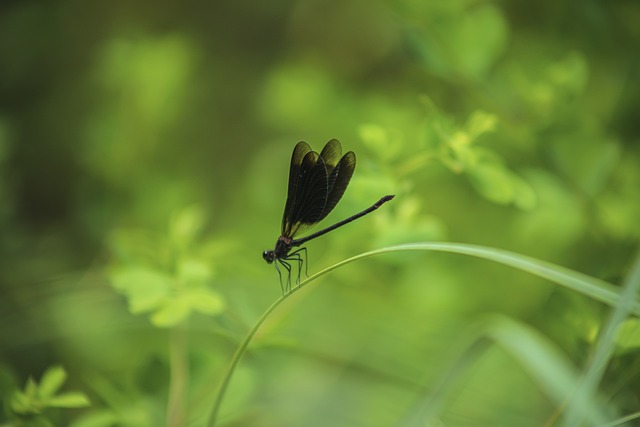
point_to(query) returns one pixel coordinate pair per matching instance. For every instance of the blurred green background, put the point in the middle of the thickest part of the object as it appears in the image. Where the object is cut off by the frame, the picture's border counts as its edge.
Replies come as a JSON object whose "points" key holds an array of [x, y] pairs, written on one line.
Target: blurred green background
{"points": [[144, 153]]}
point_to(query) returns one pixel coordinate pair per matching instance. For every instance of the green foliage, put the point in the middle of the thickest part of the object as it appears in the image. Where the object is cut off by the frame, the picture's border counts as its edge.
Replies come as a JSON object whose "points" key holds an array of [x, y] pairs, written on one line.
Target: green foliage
{"points": [[143, 165], [29, 406], [457, 147], [629, 335], [176, 283], [459, 39]]}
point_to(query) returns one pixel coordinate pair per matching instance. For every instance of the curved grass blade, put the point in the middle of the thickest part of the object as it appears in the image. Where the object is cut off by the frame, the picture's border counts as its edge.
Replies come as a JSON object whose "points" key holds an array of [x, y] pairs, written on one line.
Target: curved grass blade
{"points": [[544, 362], [587, 387], [595, 288]]}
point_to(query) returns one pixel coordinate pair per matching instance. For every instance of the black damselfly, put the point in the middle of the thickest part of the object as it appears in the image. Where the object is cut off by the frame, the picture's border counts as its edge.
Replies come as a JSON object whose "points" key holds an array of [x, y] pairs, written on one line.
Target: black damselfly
{"points": [[316, 185]]}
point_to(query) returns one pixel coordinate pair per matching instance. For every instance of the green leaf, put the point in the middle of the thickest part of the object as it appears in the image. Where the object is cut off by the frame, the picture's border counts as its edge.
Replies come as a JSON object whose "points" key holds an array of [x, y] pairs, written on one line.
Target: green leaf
{"points": [[51, 381], [193, 271], [73, 399], [493, 181], [628, 335], [172, 313], [481, 122], [478, 39], [186, 224], [457, 153], [145, 288], [206, 301], [31, 388], [464, 41], [22, 404], [98, 418]]}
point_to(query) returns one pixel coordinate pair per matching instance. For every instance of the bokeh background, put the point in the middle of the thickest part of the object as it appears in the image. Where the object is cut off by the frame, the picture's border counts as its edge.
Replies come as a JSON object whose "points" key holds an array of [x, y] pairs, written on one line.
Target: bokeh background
{"points": [[144, 153]]}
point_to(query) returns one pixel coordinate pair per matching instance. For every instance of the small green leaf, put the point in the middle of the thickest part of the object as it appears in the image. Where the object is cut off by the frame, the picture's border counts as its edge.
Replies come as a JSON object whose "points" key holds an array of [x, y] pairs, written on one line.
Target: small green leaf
{"points": [[193, 271], [186, 225], [21, 403], [206, 301], [98, 418], [51, 381], [481, 122], [145, 288], [172, 313], [73, 399], [31, 388], [139, 279], [457, 154], [474, 40], [493, 181], [628, 336]]}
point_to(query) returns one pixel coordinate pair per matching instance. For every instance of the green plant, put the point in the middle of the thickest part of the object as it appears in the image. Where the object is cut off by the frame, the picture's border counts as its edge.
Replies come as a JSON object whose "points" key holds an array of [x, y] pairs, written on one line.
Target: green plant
{"points": [[30, 405]]}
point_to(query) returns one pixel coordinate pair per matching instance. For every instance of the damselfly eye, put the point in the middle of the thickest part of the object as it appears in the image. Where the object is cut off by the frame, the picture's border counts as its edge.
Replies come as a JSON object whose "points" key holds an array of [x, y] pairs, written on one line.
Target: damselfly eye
{"points": [[268, 256]]}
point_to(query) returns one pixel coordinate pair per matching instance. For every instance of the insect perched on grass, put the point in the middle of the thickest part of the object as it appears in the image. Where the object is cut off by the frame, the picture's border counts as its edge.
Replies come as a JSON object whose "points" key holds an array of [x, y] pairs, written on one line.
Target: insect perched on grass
{"points": [[316, 185]]}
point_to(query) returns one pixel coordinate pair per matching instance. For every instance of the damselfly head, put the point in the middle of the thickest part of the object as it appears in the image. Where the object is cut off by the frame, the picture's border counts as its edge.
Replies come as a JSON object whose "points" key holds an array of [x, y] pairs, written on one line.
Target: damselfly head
{"points": [[269, 256]]}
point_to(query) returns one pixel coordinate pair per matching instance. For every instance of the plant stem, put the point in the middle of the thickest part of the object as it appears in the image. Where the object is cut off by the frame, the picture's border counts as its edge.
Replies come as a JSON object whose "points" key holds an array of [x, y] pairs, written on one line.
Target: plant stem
{"points": [[179, 367], [242, 349]]}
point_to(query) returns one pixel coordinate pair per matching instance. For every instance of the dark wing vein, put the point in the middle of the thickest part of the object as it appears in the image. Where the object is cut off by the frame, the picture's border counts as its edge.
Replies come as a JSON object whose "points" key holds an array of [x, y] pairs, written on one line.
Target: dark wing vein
{"points": [[341, 175], [305, 205], [331, 154], [316, 185], [314, 193], [299, 152]]}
